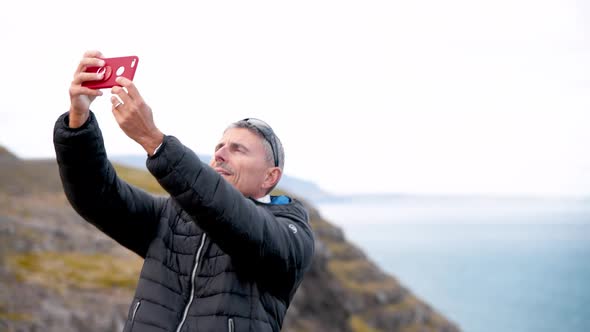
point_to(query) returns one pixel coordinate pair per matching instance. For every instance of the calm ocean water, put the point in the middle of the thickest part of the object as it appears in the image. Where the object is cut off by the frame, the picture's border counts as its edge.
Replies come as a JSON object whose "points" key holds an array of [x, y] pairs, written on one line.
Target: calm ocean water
{"points": [[488, 265]]}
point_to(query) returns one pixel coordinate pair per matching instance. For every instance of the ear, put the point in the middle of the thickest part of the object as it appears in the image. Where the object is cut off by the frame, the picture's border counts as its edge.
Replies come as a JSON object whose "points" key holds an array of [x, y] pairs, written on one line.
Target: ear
{"points": [[273, 175]]}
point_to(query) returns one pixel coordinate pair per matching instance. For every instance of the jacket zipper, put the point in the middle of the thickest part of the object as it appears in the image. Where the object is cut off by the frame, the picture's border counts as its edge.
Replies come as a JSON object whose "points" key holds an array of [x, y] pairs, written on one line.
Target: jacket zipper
{"points": [[134, 313], [193, 274], [230, 325]]}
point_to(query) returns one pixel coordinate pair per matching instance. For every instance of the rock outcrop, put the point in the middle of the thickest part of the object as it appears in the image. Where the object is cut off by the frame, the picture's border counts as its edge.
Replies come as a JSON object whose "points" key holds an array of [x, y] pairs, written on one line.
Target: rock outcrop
{"points": [[58, 273]]}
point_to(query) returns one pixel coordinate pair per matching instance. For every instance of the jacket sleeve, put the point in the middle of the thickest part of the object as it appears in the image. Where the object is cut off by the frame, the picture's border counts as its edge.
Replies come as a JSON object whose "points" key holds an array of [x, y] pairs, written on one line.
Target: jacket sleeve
{"points": [[125, 213], [279, 242]]}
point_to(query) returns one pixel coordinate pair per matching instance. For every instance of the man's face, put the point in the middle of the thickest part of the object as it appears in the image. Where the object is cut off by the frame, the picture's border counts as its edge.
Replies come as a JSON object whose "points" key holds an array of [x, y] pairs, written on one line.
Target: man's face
{"points": [[240, 158]]}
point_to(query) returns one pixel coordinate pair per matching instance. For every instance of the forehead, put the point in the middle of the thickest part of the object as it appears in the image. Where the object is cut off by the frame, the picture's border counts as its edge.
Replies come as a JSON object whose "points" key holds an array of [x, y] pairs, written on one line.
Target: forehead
{"points": [[242, 136]]}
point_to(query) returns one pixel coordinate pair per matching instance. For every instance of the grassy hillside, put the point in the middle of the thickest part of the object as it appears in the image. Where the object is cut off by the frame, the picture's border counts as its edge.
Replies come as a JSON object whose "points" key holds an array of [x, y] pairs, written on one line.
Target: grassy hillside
{"points": [[58, 273]]}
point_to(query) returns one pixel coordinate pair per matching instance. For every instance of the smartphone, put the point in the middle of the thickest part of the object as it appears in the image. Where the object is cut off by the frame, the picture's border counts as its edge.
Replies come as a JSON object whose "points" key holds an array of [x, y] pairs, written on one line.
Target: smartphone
{"points": [[113, 67]]}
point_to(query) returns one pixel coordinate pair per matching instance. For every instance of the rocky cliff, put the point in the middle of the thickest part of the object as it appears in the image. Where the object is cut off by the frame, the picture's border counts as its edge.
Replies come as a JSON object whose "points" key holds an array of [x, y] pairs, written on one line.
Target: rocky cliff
{"points": [[58, 273]]}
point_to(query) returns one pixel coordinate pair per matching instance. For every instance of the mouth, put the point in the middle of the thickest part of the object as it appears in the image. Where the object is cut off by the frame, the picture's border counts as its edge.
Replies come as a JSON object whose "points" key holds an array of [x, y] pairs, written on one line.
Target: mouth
{"points": [[222, 171]]}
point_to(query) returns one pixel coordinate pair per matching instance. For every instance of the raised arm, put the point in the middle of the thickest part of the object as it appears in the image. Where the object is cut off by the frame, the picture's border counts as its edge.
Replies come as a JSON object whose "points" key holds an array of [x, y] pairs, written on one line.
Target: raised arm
{"points": [[125, 213], [276, 240], [271, 239]]}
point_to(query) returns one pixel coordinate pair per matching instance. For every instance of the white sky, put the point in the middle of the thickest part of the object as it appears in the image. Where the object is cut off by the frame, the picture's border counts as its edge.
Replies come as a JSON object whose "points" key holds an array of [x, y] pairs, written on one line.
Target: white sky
{"points": [[426, 96]]}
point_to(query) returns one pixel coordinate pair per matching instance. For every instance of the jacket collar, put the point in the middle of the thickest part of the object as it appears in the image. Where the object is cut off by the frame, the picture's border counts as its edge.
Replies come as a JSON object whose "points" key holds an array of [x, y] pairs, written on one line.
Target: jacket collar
{"points": [[264, 199]]}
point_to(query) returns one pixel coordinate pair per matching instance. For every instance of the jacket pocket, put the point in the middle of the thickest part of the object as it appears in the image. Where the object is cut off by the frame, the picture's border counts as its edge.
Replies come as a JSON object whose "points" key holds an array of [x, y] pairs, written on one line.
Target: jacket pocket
{"points": [[135, 309], [230, 325]]}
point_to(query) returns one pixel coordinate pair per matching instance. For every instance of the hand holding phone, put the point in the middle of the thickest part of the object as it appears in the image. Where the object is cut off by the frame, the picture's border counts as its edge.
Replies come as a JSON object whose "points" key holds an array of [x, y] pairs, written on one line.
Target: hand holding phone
{"points": [[113, 68]]}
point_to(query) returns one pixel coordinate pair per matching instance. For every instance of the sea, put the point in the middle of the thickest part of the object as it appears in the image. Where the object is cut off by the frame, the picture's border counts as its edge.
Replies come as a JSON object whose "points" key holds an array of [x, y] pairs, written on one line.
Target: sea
{"points": [[488, 264]]}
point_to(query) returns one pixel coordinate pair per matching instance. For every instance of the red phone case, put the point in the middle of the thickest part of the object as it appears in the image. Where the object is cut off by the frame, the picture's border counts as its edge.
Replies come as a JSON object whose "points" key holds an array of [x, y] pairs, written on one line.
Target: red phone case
{"points": [[114, 67]]}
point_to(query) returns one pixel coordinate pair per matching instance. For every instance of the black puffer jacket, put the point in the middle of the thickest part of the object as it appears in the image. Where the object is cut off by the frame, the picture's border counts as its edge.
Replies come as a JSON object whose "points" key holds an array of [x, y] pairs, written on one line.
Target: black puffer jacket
{"points": [[214, 260]]}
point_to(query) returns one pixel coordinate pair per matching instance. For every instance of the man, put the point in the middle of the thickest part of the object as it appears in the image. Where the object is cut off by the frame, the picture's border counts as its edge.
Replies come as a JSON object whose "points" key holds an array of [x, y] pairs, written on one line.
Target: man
{"points": [[220, 253]]}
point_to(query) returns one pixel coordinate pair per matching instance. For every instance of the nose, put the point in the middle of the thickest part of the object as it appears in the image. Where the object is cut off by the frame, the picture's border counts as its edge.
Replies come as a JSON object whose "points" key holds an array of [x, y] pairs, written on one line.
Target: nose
{"points": [[221, 155]]}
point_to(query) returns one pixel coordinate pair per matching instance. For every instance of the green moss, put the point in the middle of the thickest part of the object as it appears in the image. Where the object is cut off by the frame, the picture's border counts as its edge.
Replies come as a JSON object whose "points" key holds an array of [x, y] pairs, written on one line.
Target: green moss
{"points": [[324, 230], [5, 314], [24, 212], [85, 271], [139, 178], [355, 275], [15, 316], [408, 303], [348, 268], [341, 249], [358, 324], [436, 319], [29, 234], [416, 327]]}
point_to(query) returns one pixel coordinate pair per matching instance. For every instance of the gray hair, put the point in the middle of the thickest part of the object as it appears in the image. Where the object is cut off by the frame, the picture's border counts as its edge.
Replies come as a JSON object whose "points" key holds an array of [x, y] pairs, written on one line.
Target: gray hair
{"points": [[269, 157], [267, 147]]}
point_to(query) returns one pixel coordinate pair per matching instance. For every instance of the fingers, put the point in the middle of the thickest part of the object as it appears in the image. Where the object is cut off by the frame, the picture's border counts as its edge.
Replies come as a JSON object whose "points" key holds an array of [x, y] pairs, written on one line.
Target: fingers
{"points": [[92, 54], [83, 76], [121, 94], [119, 116], [126, 94], [78, 90], [81, 97], [117, 105], [116, 101], [89, 62], [127, 102], [90, 59], [130, 88]]}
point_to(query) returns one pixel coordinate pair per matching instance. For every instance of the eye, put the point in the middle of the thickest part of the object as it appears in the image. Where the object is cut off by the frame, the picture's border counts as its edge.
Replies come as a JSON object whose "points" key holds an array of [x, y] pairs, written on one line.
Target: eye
{"points": [[238, 148]]}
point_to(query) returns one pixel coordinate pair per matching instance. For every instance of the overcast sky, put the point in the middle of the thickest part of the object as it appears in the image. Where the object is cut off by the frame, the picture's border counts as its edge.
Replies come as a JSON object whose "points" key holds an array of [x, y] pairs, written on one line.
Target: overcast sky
{"points": [[489, 96]]}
